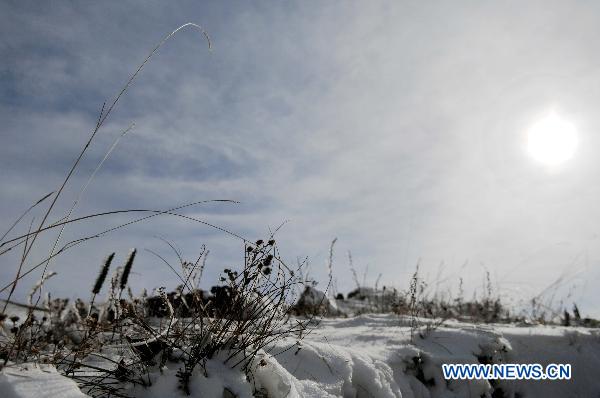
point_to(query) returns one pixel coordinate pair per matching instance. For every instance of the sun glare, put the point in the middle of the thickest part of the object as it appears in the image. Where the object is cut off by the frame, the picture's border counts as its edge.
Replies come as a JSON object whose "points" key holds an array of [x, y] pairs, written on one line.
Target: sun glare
{"points": [[552, 140]]}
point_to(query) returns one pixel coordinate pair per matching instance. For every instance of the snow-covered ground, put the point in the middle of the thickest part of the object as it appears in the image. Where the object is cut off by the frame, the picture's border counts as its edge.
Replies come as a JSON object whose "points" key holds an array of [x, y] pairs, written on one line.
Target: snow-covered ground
{"points": [[36, 381], [381, 361], [370, 356]]}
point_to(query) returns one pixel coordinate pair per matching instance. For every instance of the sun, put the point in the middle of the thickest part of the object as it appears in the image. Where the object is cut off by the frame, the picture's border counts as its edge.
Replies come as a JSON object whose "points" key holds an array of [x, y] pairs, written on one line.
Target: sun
{"points": [[552, 140]]}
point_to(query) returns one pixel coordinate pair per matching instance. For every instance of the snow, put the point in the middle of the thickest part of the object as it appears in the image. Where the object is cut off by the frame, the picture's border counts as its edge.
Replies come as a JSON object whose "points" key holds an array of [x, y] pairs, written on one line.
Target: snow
{"points": [[36, 381], [324, 370], [384, 339], [370, 355], [373, 356], [221, 377]]}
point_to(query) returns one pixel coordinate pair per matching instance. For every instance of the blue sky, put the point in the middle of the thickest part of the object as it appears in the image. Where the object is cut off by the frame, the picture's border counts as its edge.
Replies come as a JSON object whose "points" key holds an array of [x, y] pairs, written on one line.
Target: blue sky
{"points": [[397, 127]]}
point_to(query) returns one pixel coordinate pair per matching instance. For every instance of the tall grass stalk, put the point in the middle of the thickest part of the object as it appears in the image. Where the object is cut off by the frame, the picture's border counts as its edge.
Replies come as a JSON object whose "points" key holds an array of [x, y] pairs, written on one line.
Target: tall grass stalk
{"points": [[100, 279], [101, 120]]}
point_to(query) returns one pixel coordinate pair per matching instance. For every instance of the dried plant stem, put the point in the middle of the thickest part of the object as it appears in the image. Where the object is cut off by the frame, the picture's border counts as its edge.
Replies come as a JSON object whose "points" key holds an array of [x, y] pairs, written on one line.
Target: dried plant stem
{"points": [[101, 119], [330, 262]]}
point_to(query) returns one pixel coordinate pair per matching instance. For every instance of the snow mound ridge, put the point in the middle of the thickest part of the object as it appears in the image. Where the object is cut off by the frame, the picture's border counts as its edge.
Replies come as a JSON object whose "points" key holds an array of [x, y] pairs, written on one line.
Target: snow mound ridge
{"points": [[322, 370]]}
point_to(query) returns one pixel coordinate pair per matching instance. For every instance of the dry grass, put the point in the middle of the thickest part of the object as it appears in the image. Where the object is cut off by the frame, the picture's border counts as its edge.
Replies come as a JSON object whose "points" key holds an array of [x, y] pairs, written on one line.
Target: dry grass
{"points": [[120, 342]]}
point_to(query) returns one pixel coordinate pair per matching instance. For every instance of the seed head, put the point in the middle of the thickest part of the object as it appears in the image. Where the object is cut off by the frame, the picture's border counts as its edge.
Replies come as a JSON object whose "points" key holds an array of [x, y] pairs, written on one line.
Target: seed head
{"points": [[127, 268], [268, 259], [102, 274]]}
